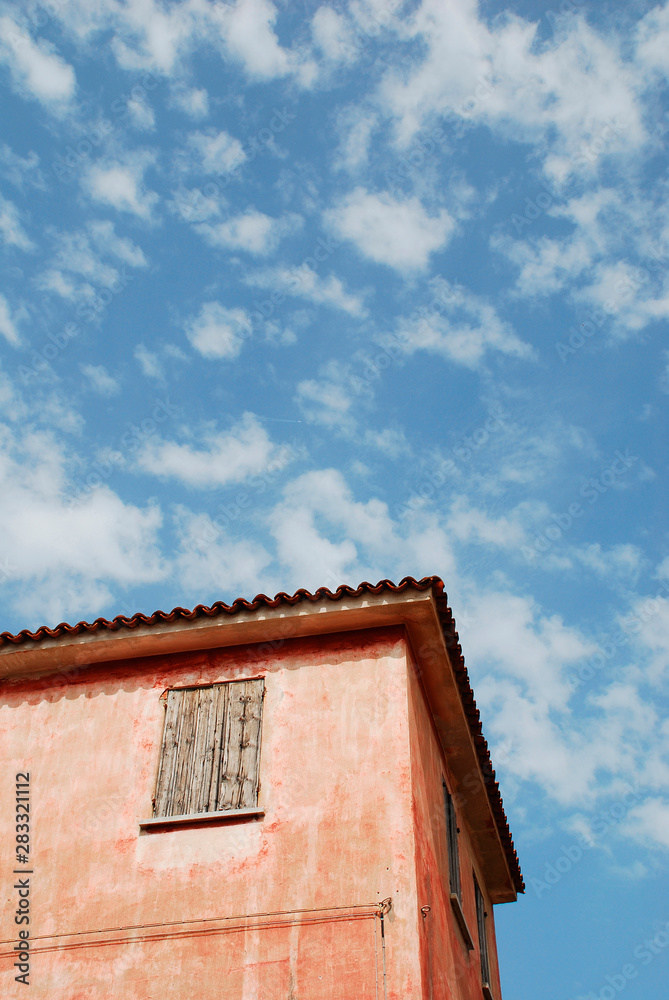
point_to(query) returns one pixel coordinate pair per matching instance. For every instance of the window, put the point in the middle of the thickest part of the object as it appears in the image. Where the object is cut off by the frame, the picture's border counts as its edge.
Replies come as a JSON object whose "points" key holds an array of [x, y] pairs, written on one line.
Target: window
{"points": [[483, 941], [452, 837], [211, 750], [455, 889]]}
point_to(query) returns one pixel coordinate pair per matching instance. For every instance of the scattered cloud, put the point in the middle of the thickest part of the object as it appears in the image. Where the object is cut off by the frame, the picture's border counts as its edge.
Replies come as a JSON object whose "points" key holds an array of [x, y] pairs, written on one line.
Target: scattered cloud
{"points": [[304, 282], [219, 332], [67, 558], [214, 152], [193, 101], [36, 68], [11, 230], [222, 458], [400, 234], [211, 559], [120, 184], [254, 232], [100, 380], [149, 362], [462, 327], [8, 322]]}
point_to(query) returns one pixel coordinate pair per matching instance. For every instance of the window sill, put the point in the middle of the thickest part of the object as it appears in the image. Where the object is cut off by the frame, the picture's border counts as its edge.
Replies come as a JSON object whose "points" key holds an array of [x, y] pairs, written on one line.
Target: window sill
{"points": [[226, 816], [487, 992], [462, 923]]}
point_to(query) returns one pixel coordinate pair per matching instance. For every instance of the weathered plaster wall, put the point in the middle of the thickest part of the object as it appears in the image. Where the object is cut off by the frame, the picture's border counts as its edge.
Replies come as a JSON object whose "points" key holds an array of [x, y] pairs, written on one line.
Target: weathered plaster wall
{"points": [[335, 785], [449, 970]]}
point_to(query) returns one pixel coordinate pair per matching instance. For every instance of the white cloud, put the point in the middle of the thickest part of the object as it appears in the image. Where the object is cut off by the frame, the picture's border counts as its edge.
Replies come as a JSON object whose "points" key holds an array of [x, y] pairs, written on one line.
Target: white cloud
{"points": [[469, 524], [324, 536], [253, 231], [147, 34], [84, 254], [100, 380], [355, 126], [333, 35], [11, 230], [652, 38], [225, 457], [328, 400], [214, 152], [219, 332], [211, 559], [192, 205], [649, 823], [306, 283], [649, 620], [400, 234], [36, 68], [462, 327], [8, 327], [193, 101], [630, 298], [622, 561], [389, 441], [149, 362], [249, 36], [141, 114], [121, 184], [64, 558], [566, 92], [105, 238], [20, 169], [546, 265]]}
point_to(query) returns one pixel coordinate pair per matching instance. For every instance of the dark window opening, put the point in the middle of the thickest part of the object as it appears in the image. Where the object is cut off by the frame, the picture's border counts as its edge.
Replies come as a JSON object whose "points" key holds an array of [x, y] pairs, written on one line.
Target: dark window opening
{"points": [[452, 838], [481, 916]]}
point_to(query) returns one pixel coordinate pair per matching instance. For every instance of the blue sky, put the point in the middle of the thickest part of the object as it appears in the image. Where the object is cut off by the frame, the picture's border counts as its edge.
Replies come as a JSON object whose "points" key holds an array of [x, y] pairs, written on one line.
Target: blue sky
{"points": [[301, 295]]}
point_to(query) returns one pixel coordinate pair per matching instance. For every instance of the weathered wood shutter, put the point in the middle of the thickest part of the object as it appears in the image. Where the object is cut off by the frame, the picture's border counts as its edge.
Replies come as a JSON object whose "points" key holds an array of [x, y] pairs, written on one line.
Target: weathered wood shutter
{"points": [[211, 749], [452, 838], [483, 936]]}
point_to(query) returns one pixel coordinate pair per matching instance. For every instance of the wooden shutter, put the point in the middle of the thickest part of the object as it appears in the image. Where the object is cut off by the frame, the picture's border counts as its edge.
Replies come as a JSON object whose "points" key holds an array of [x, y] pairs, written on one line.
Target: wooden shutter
{"points": [[452, 837], [211, 749], [483, 937]]}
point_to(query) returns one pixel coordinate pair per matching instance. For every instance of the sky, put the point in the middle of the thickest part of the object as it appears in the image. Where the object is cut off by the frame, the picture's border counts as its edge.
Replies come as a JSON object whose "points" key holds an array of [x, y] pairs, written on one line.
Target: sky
{"points": [[301, 294]]}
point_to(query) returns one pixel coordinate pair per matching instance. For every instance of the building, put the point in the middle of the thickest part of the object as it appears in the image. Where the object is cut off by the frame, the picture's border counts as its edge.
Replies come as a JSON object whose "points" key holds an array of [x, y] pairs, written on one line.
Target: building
{"points": [[284, 799]]}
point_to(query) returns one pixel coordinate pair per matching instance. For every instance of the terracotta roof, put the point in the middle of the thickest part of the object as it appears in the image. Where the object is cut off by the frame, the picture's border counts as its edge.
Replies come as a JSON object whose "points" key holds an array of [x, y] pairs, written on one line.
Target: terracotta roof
{"points": [[262, 601]]}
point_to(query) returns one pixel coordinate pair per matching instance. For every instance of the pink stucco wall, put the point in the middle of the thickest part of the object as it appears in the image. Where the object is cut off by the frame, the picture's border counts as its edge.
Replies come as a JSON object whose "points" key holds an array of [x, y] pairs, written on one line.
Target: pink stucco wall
{"points": [[450, 971], [336, 771]]}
